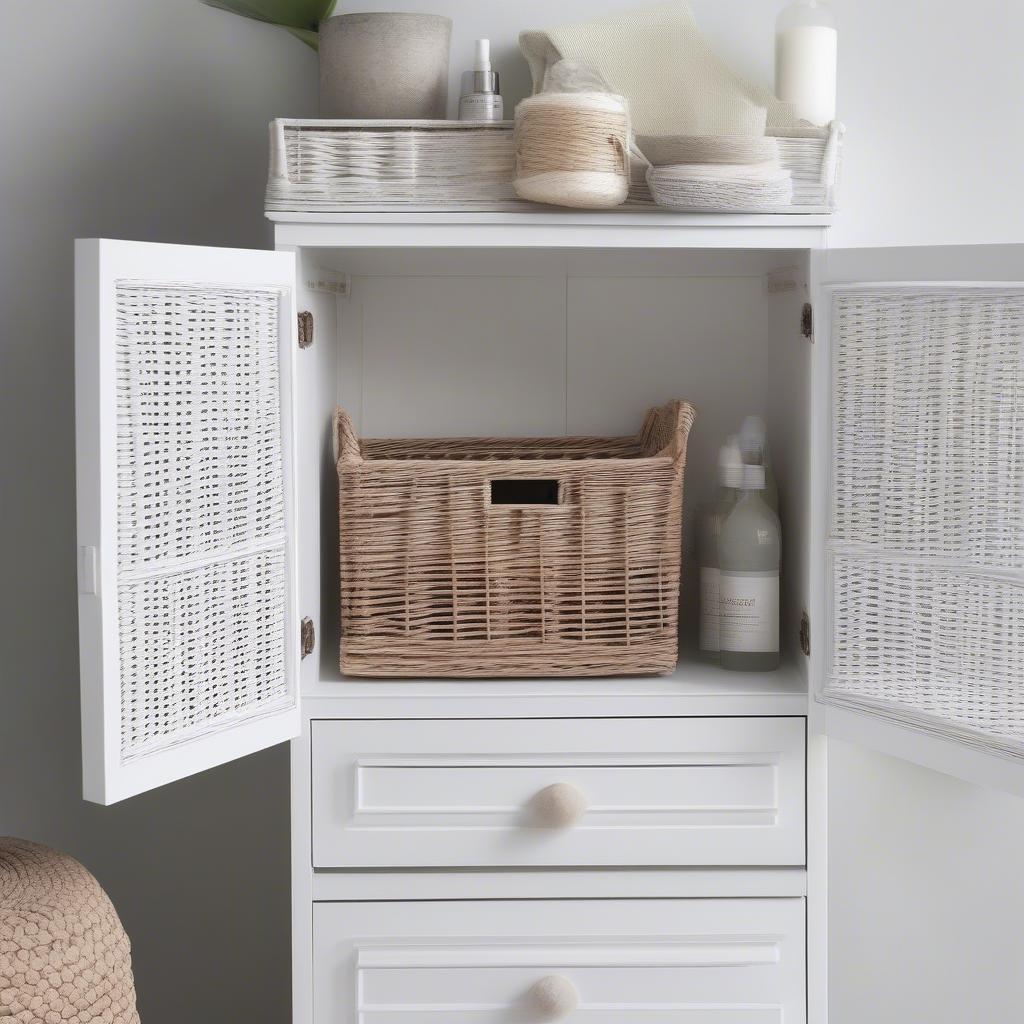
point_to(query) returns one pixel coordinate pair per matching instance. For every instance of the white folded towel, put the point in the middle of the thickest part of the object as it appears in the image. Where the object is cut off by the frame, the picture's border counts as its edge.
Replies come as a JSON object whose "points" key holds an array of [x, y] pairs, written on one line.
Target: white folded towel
{"points": [[657, 58], [715, 188]]}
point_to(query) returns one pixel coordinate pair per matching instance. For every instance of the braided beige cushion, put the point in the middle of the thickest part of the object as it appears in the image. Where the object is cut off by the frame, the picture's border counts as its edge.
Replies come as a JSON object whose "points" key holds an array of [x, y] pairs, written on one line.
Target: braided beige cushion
{"points": [[64, 957]]}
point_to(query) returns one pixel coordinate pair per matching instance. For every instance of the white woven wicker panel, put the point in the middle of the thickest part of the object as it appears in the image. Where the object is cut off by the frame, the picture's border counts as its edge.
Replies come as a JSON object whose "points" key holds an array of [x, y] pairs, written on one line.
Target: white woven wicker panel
{"points": [[928, 423], [329, 168], [337, 165], [198, 418], [200, 649], [947, 644], [201, 527], [807, 160], [927, 509]]}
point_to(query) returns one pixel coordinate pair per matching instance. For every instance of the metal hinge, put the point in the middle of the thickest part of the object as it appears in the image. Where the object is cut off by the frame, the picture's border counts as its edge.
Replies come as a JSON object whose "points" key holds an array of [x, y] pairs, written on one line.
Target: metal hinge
{"points": [[807, 322], [305, 329], [308, 636], [805, 633]]}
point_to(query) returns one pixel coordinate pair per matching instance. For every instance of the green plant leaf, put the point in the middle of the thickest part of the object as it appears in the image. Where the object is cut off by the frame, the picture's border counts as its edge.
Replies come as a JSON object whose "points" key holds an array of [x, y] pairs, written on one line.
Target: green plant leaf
{"points": [[304, 15], [308, 36]]}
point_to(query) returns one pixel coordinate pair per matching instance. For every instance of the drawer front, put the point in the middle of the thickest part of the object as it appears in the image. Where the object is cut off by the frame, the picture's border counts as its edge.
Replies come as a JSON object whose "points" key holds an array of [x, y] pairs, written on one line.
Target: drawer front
{"points": [[556, 792], [584, 961]]}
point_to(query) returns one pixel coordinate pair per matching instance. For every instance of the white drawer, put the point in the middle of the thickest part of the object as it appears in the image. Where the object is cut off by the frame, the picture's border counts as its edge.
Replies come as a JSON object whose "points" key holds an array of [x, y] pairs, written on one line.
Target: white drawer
{"points": [[638, 791], [582, 961]]}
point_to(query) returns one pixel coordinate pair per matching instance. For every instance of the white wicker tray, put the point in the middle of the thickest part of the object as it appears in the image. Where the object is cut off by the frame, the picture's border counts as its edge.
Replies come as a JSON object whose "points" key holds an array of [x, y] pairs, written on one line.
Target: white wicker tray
{"points": [[321, 166]]}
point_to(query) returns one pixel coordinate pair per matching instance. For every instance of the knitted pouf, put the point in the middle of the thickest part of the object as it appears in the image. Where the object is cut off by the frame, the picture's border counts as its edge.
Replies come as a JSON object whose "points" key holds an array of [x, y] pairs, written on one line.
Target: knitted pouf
{"points": [[64, 957]]}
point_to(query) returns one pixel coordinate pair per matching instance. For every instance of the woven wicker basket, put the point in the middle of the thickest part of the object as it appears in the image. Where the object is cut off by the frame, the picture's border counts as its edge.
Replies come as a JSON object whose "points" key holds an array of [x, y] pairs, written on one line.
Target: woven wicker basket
{"points": [[319, 166], [528, 557]]}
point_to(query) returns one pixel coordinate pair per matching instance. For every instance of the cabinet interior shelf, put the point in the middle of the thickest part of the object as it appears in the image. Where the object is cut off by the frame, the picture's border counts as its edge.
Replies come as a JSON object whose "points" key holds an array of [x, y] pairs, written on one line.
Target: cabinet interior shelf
{"points": [[696, 688]]}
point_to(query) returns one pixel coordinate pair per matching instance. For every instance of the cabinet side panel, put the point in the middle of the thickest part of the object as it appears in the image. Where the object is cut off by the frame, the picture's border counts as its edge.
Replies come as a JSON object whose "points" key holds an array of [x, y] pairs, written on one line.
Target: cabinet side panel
{"points": [[786, 360], [96, 570]]}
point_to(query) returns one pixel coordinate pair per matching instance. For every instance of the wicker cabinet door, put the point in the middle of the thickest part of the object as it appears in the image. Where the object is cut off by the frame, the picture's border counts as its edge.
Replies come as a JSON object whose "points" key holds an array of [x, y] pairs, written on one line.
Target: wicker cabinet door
{"points": [[923, 648], [187, 620]]}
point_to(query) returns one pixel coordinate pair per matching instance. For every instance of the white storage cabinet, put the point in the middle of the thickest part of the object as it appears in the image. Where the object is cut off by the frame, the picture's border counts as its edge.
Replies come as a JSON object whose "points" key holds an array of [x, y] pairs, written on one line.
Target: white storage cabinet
{"points": [[685, 876]]}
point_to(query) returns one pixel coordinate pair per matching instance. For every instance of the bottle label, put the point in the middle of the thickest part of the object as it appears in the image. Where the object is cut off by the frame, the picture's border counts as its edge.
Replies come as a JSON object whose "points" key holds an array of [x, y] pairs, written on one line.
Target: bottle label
{"points": [[709, 610], [749, 603], [481, 107]]}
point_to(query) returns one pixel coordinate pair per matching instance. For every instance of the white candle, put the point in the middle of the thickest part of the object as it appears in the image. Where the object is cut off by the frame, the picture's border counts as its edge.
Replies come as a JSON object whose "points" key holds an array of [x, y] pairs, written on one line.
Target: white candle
{"points": [[805, 70]]}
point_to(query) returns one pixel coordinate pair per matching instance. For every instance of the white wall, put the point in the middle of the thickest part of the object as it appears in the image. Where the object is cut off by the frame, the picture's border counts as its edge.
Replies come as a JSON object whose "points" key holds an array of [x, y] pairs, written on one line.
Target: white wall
{"points": [[146, 119], [932, 94]]}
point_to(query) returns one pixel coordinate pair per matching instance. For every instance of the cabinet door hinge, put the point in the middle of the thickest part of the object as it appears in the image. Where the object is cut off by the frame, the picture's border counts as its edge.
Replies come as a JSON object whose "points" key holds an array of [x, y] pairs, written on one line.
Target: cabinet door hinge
{"points": [[305, 329], [805, 633], [308, 636], [807, 322]]}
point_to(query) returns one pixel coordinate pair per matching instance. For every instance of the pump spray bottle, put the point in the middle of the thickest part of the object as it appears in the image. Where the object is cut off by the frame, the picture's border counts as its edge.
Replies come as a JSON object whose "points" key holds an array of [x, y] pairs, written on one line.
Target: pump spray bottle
{"points": [[481, 97], [712, 517]]}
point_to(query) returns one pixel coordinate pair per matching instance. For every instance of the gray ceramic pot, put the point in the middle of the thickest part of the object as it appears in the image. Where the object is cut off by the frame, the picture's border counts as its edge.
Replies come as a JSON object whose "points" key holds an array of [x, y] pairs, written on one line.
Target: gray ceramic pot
{"points": [[384, 65]]}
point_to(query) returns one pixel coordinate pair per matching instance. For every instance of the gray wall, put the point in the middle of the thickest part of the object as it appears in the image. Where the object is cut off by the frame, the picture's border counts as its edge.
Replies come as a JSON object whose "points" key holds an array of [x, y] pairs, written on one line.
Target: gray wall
{"points": [[134, 119], [147, 119]]}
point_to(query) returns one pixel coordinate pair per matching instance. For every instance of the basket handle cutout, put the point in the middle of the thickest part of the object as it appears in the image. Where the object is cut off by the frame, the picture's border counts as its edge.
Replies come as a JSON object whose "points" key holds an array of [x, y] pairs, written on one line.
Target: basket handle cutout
{"points": [[526, 492]]}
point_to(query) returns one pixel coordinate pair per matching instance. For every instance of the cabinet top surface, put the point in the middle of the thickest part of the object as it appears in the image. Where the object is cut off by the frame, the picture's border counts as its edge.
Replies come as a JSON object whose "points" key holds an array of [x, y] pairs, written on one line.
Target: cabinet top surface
{"points": [[553, 229]]}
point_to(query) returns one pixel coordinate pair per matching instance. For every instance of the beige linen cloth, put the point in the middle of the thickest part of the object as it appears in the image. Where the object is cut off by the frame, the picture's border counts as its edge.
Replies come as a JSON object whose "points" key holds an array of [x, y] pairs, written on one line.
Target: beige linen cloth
{"points": [[658, 60]]}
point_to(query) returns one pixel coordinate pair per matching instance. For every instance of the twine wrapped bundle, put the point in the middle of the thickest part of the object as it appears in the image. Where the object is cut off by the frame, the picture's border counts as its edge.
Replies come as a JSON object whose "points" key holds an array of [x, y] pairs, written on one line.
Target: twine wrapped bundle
{"points": [[572, 149]]}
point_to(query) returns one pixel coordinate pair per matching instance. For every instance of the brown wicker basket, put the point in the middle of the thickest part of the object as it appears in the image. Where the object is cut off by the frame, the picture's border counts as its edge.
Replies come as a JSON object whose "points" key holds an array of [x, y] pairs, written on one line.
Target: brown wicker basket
{"points": [[521, 557]]}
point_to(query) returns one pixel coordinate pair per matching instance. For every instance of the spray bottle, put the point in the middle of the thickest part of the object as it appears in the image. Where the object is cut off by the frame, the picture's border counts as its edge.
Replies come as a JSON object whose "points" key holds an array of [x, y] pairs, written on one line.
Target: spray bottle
{"points": [[481, 97]]}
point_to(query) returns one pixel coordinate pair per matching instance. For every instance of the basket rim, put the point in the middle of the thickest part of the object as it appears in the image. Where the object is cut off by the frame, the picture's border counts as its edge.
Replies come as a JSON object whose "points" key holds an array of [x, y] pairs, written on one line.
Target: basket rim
{"points": [[348, 446], [376, 124], [481, 464]]}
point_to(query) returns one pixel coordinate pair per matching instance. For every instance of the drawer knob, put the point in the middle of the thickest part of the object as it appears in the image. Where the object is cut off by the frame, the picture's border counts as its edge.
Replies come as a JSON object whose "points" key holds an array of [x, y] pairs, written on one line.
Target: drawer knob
{"points": [[554, 997], [559, 805]]}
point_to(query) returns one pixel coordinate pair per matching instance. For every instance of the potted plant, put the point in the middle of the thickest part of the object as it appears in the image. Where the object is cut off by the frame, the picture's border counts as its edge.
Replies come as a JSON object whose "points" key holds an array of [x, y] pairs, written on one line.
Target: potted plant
{"points": [[380, 65]]}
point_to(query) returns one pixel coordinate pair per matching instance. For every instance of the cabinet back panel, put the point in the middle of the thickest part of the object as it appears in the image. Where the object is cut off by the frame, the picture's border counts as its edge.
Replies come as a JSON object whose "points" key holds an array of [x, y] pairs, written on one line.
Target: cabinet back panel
{"points": [[450, 356], [498, 344]]}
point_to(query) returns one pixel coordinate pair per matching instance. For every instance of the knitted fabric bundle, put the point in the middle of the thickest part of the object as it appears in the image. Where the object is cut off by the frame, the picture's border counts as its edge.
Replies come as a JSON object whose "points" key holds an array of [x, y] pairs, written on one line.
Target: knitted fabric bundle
{"points": [[64, 957]]}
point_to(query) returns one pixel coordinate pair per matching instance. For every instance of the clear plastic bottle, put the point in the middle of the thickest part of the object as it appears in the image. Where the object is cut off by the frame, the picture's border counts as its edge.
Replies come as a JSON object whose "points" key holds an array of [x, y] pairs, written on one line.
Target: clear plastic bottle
{"points": [[806, 51], [749, 553], [712, 516], [753, 442]]}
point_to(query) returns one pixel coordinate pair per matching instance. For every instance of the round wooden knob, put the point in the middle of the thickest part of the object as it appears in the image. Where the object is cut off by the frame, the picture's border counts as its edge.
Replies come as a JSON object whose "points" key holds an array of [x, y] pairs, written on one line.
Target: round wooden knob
{"points": [[559, 805], [554, 997]]}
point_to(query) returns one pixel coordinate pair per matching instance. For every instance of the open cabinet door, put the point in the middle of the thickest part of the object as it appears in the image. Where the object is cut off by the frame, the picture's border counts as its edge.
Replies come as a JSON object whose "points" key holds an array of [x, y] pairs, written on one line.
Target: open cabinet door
{"points": [[918, 634], [188, 629]]}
